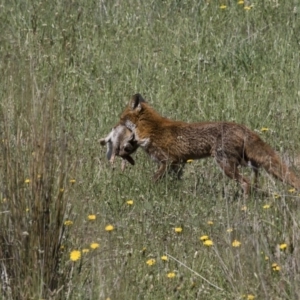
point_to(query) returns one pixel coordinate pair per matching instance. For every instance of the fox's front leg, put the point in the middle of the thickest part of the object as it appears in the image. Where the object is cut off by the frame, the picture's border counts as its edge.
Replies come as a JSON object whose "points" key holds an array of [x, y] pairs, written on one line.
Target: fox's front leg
{"points": [[160, 172]]}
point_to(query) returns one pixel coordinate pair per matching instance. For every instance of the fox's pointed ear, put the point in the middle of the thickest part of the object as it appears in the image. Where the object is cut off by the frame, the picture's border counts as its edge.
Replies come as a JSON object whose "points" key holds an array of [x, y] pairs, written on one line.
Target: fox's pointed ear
{"points": [[136, 101]]}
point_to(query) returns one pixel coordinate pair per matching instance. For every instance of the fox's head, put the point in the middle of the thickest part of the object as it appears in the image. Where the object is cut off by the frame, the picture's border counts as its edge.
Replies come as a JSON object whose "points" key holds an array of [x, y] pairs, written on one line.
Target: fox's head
{"points": [[133, 112]]}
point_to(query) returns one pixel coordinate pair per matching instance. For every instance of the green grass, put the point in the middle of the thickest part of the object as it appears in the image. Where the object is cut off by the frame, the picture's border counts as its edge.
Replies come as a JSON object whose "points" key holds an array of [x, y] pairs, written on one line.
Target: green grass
{"points": [[68, 70]]}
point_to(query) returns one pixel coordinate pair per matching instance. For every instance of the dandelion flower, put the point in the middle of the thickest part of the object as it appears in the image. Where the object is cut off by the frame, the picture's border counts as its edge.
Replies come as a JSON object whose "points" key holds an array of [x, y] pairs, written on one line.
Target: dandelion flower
{"points": [[109, 227], [85, 250], [292, 190], [189, 161], [223, 6], [264, 129], [92, 217], [266, 206], [210, 222], [275, 267], [27, 180], [236, 243], [244, 208], [204, 237], [75, 255], [68, 222], [150, 262], [208, 243], [94, 245], [164, 258], [241, 2], [250, 297], [247, 7], [178, 229], [72, 180], [171, 275], [282, 246], [129, 202]]}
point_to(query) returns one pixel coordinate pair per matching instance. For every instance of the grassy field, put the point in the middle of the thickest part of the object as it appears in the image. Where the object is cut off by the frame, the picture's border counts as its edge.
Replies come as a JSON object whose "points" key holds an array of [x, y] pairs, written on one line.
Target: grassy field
{"points": [[68, 70]]}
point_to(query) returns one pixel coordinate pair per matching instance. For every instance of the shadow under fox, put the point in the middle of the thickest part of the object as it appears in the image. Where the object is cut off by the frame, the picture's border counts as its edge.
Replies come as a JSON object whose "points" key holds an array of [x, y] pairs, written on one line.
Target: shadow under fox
{"points": [[172, 143]]}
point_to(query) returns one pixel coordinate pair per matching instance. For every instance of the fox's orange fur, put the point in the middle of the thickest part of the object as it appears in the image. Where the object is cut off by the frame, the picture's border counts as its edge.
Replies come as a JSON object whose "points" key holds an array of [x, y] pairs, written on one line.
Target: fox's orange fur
{"points": [[174, 142]]}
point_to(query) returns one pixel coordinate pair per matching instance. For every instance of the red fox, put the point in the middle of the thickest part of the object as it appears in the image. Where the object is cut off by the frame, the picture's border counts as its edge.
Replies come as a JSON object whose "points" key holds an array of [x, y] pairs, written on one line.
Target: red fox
{"points": [[120, 138], [172, 143]]}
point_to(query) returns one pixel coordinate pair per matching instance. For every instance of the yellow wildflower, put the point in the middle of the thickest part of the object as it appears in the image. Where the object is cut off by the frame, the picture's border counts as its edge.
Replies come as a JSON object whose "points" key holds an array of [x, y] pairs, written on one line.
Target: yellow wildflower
{"points": [[164, 257], [236, 243], [264, 129], [204, 237], [27, 180], [275, 267], [244, 208], [150, 262], [178, 229], [266, 206], [282, 246], [171, 275], [250, 297], [68, 222], [229, 230], [85, 250], [241, 2], [276, 196], [210, 222], [189, 161], [266, 257], [94, 245], [75, 255], [208, 243], [72, 180], [129, 202], [109, 227], [247, 7], [292, 190], [223, 6], [92, 217]]}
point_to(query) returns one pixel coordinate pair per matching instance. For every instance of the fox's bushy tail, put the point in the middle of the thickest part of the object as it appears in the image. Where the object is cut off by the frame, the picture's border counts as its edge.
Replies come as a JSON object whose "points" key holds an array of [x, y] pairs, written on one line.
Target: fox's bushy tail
{"points": [[263, 155]]}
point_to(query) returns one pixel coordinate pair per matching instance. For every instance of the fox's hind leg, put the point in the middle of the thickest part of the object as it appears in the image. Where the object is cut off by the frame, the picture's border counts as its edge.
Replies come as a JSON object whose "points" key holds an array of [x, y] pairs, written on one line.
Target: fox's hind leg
{"points": [[229, 164], [230, 169]]}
